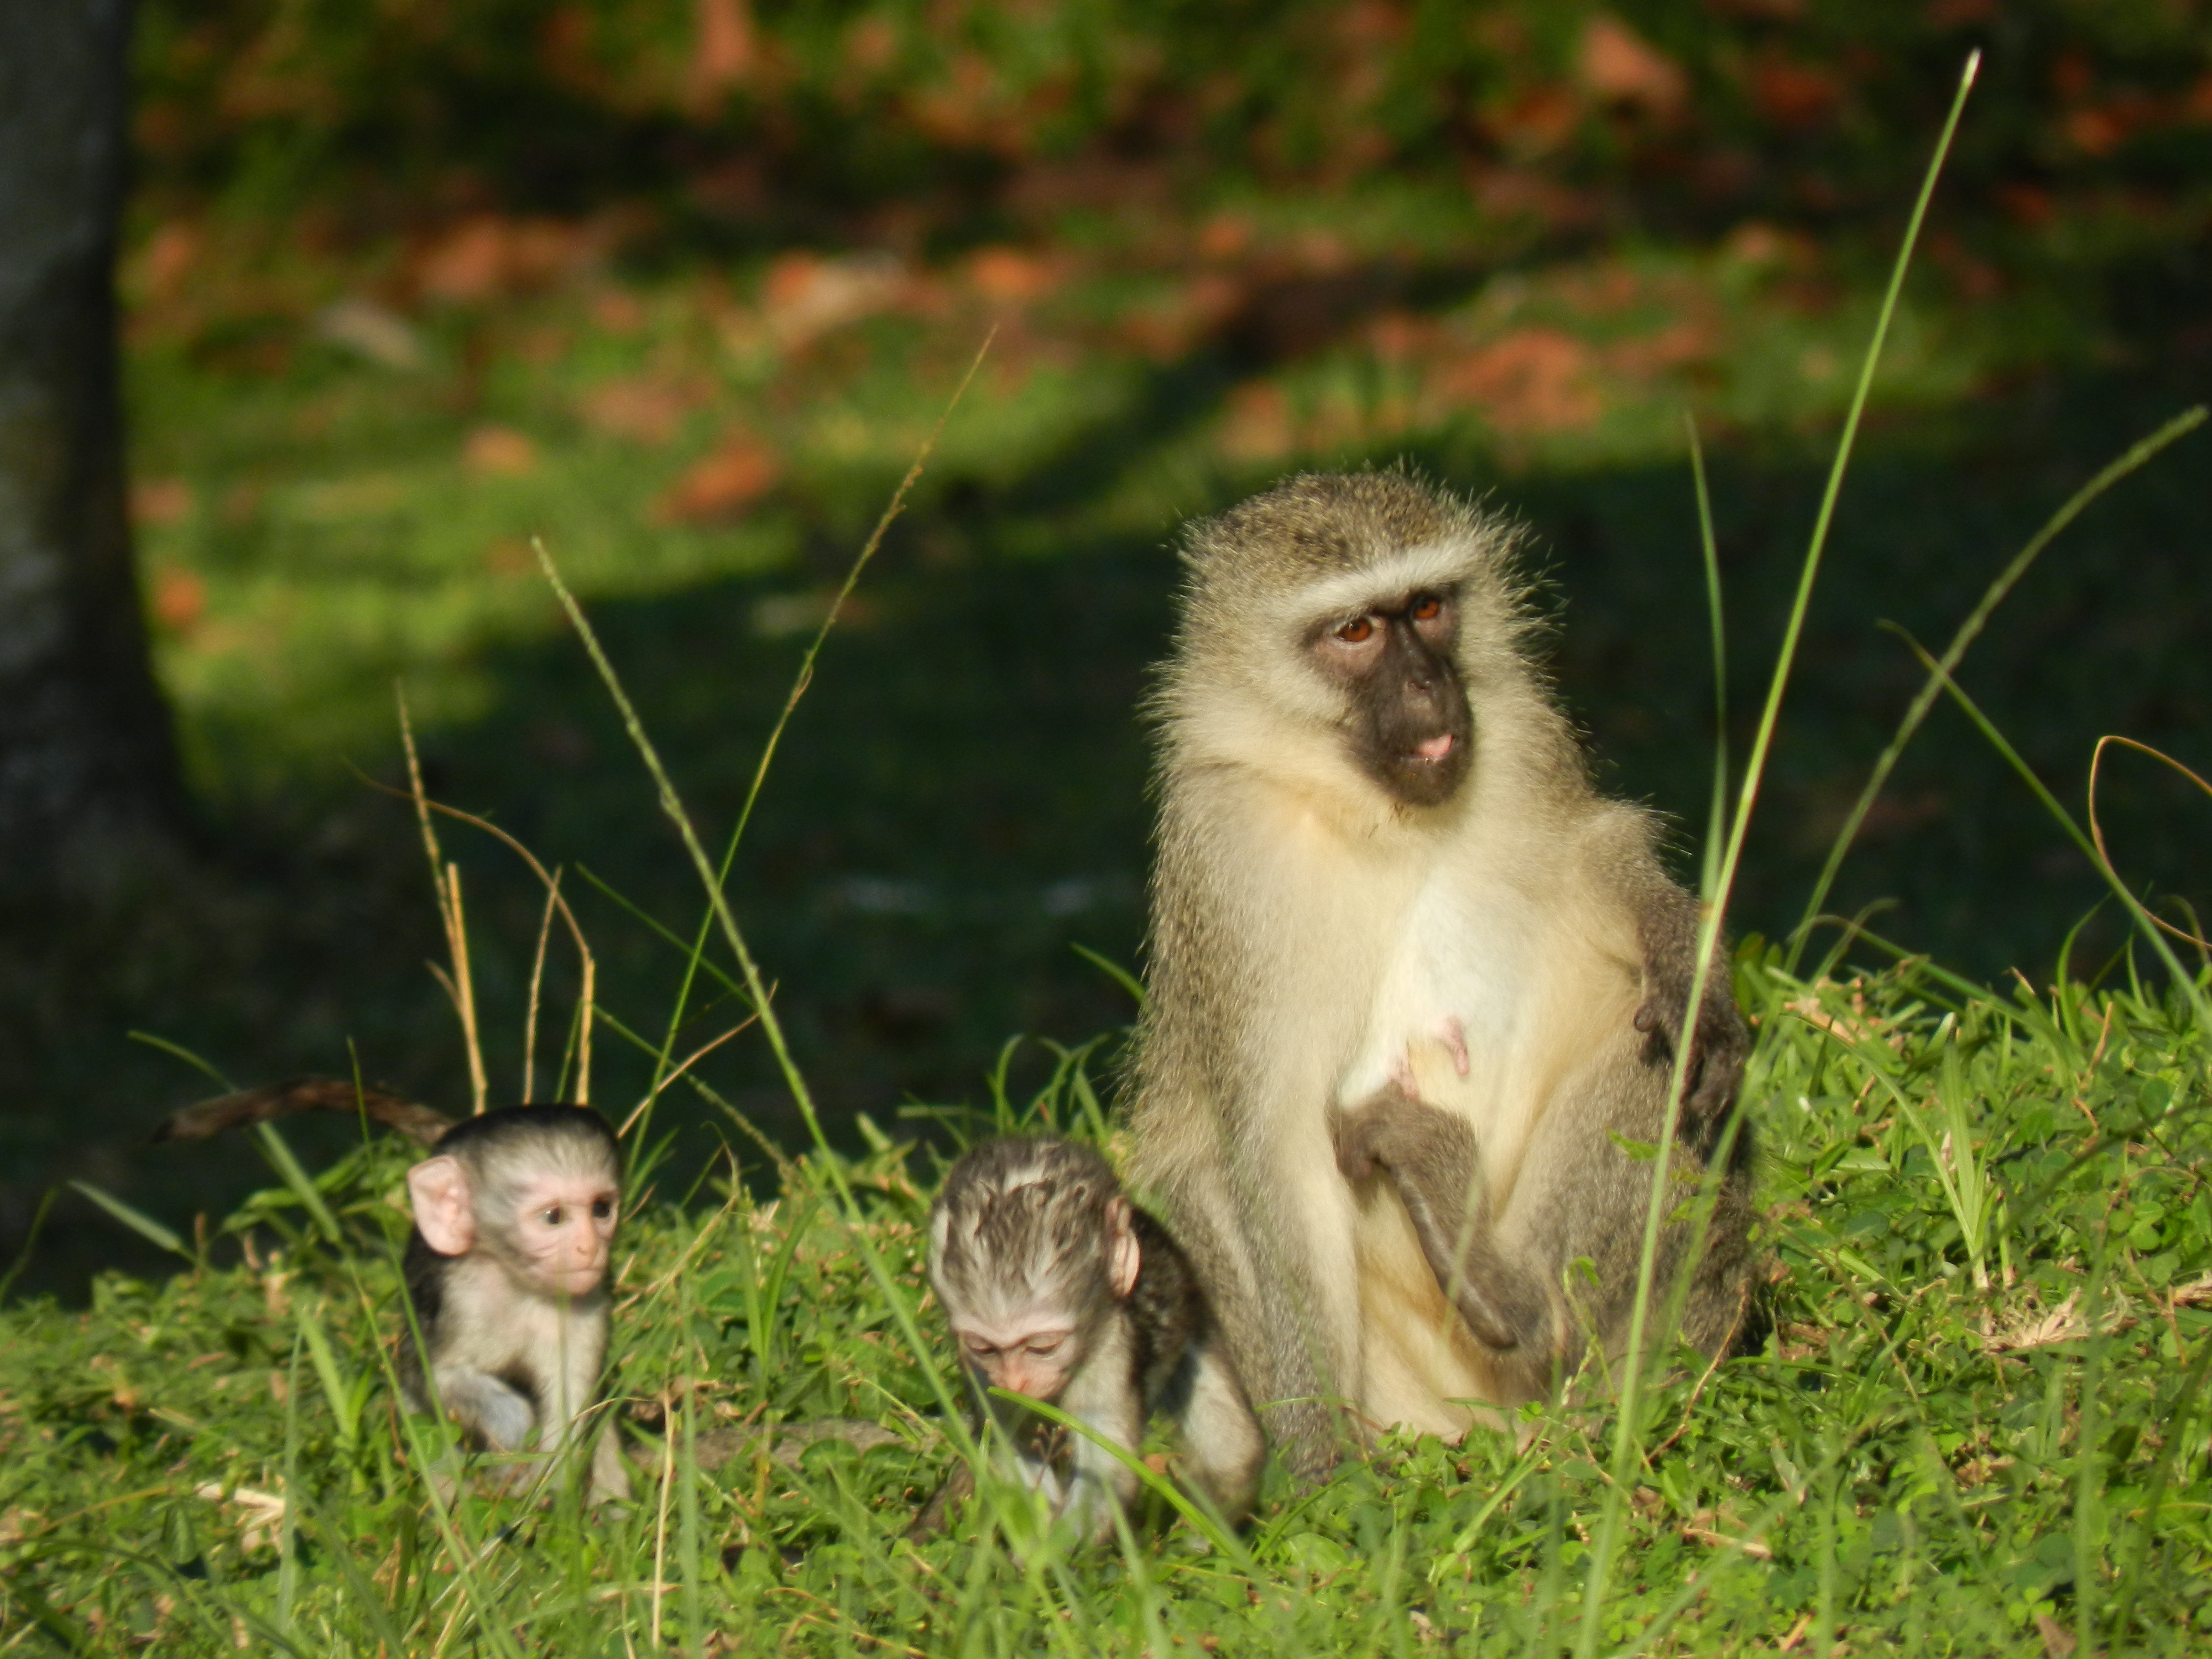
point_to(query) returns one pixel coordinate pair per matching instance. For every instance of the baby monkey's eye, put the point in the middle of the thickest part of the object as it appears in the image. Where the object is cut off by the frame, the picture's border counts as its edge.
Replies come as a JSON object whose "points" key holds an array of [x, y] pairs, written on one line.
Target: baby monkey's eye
{"points": [[1045, 1346], [1426, 607], [601, 1209], [1357, 631], [551, 1217]]}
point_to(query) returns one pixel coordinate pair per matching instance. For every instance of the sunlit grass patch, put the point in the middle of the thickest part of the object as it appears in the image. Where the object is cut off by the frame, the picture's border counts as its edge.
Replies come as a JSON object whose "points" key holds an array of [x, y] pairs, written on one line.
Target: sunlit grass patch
{"points": [[1902, 1464], [342, 456]]}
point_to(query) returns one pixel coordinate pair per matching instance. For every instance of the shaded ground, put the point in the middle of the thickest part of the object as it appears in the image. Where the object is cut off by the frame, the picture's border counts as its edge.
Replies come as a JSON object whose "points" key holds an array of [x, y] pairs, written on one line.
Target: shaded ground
{"points": [[960, 798], [349, 421]]}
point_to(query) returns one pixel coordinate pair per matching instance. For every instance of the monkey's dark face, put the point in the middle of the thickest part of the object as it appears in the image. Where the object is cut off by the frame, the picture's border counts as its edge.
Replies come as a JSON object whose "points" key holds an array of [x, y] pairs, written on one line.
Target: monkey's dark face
{"points": [[1409, 727]]}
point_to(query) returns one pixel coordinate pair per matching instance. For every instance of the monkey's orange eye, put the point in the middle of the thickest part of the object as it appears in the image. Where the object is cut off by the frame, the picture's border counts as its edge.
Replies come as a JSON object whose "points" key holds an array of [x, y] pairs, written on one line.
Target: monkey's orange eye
{"points": [[1426, 607], [1357, 631]]}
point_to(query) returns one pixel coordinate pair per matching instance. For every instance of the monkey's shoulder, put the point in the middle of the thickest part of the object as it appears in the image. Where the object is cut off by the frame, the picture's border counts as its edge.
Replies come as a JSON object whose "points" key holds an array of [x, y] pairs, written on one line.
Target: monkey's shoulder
{"points": [[471, 1311], [1167, 1300], [423, 1272]]}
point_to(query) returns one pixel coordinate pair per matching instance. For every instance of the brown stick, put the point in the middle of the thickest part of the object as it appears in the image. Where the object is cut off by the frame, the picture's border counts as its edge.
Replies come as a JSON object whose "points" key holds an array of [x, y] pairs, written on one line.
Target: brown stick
{"points": [[304, 1093]]}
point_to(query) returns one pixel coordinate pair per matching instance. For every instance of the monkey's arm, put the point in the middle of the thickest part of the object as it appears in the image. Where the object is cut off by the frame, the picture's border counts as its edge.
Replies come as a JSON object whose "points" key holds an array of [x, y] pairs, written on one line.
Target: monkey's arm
{"points": [[581, 1359], [959, 1486], [610, 1474], [487, 1407], [1187, 1373], [1431, 1159], [1667, 941], [1102, 1395], [1720, 1041]]}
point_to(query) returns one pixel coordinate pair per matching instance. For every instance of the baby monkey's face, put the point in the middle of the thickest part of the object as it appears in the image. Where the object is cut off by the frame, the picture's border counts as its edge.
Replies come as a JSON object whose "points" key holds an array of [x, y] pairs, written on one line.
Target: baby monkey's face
{"points": [[1033, 1352], [1031, 1276], [565, 1224]]}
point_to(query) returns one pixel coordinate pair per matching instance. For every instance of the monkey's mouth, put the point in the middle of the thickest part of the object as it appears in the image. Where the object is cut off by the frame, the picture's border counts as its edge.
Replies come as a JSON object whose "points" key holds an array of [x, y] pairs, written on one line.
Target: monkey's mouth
{"points": [[577, 1281], [1430, 749]]}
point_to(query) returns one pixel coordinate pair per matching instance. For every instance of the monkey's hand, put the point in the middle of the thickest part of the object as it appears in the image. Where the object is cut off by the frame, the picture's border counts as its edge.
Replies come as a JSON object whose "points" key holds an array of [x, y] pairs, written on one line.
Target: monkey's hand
{"points": [[1718, 1046], [1431, 1160]]}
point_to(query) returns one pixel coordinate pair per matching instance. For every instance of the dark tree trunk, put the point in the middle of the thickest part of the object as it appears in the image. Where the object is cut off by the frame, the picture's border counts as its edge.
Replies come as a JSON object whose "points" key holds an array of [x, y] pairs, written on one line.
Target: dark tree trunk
{"points": [[89, 774]]}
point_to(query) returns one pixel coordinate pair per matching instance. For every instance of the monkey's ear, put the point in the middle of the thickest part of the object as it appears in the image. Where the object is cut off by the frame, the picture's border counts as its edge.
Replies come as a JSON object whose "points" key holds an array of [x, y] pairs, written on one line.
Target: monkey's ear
{"points": [[439, 1189], [1123, 1258]]}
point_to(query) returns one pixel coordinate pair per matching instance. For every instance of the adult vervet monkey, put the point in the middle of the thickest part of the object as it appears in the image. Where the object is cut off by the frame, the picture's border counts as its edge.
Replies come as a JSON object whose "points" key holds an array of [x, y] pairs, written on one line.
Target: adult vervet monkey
{"points": [[1413, 982]]}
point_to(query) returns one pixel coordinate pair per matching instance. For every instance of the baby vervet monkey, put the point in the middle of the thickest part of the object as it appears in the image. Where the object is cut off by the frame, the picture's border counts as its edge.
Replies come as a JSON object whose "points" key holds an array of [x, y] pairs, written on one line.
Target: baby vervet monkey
{"points": [[1057, 1287], [506, 1271]]}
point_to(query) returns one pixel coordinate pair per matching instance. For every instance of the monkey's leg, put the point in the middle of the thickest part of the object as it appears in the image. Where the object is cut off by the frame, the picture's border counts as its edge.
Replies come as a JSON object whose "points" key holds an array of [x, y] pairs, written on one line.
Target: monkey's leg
{"points": [[1290, 1325], [1222, 1443], [571, 1383], [1431, 1159], [610, 1474]]}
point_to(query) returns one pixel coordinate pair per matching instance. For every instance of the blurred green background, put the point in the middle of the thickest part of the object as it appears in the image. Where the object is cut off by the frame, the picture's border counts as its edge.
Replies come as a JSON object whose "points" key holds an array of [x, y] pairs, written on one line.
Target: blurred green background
{"points": [[682, 285]]}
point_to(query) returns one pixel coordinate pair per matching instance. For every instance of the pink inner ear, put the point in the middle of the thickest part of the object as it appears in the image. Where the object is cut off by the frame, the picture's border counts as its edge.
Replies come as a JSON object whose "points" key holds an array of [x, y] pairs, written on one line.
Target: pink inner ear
{"points": [[1123, 1256], [438, 1192]]}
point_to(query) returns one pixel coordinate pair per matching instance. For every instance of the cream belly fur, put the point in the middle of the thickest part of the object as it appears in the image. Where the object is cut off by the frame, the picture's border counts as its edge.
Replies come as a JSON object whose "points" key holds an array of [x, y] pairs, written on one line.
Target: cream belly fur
{"points": [[1451, 1026]]}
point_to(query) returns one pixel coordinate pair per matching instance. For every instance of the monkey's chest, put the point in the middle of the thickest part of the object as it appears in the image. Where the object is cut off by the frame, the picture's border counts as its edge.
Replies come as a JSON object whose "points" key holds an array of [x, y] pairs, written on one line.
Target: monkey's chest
{"points": [[525, 1340], [1450, 1013]]}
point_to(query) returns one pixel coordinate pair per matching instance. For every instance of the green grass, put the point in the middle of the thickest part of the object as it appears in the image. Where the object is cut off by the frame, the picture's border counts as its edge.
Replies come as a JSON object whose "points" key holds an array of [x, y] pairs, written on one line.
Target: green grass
{"points": [[1976, 1421], [1910, 1460]]}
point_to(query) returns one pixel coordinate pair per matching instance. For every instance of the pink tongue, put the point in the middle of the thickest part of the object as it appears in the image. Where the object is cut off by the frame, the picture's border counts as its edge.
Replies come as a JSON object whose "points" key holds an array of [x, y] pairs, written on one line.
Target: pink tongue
{"points": [[1435, 748]]}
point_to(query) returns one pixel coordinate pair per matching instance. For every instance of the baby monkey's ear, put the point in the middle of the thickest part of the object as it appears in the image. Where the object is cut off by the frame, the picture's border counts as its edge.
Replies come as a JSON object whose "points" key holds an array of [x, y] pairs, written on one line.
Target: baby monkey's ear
{"points": [[438, 1189], [1123, 1258]]}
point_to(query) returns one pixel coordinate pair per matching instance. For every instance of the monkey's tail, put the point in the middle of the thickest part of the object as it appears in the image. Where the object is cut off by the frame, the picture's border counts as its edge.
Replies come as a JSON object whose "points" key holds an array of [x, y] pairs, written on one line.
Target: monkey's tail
{"points": [[304, 1093]]}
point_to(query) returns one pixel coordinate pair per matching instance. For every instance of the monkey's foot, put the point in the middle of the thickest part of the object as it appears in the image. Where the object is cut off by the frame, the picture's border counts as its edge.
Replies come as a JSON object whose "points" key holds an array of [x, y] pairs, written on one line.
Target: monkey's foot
{"points": [[1381, 1135]]}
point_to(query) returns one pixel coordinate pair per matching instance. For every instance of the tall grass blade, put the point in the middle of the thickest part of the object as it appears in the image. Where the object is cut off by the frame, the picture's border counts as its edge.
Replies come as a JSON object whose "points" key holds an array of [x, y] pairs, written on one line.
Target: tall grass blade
{"points": [[346, 1399], [901, 1308], [30, 1242], [801, 681], [138, 1220], [537, 984], [296, 1180], [2187, 982], [1968, 632], [1708, 546], [288, 1527], [1628, 1427], [2087, 1432], [445, 879], [177, 1050], [1113, 970]]}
